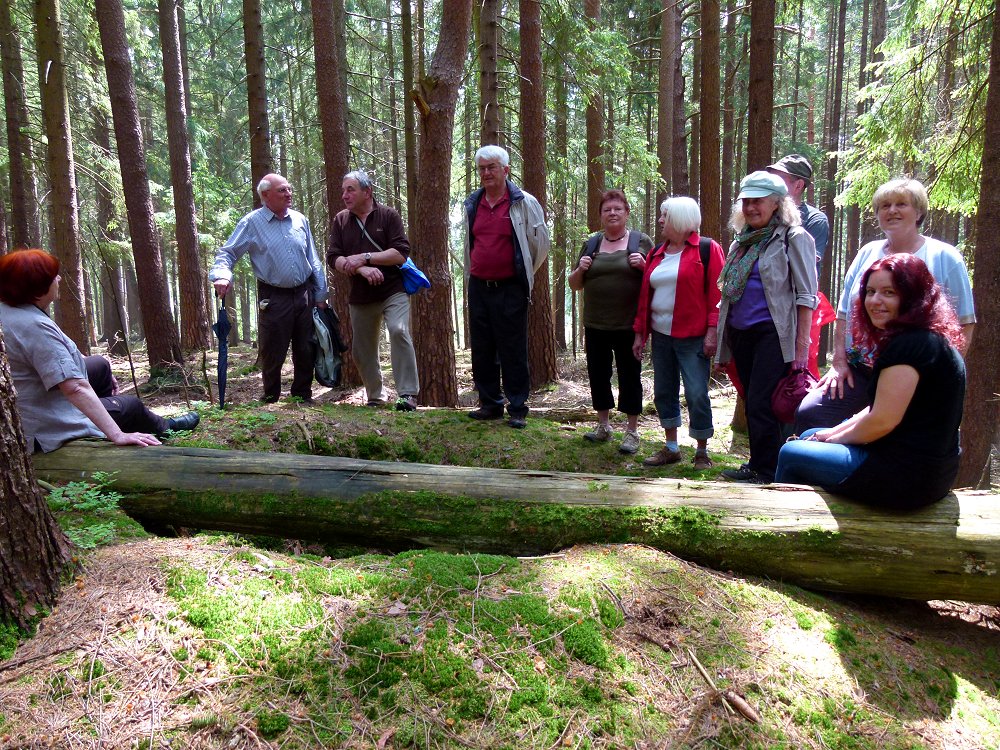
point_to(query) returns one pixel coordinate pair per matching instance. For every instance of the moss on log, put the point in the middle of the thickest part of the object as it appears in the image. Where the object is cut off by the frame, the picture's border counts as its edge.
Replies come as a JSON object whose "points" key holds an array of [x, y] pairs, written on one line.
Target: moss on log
{"points": [[950, 550]]}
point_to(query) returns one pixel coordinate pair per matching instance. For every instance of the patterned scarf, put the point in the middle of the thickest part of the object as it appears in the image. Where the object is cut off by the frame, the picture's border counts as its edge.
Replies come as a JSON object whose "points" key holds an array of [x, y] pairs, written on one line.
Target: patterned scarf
{"points": [[739, 264]]}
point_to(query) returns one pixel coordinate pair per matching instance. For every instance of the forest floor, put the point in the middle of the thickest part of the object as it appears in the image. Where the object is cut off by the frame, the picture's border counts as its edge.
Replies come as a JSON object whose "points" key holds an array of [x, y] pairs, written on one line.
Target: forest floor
{"points": [[226, 641]]}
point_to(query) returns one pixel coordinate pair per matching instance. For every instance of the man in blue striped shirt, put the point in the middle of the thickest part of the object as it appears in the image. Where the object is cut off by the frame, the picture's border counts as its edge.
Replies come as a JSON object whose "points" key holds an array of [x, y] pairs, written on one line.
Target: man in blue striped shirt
{"points": [[290, 280]]}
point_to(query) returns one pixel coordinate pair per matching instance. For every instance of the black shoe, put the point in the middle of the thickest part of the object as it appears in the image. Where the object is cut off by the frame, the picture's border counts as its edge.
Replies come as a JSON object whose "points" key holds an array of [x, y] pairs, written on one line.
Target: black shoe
{"points": [[484, 413], [745, 474], [406, 403], [518, 423], [184, 422]]}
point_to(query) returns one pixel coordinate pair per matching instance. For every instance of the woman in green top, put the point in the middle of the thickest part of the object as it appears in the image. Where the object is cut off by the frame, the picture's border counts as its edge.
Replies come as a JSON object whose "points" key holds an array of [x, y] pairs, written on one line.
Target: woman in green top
{"points": [[610, 274]]}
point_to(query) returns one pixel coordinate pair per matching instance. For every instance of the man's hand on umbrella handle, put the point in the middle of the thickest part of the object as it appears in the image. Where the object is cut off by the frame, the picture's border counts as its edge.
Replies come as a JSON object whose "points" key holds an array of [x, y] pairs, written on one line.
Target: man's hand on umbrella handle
{"points": [[222, 287]]}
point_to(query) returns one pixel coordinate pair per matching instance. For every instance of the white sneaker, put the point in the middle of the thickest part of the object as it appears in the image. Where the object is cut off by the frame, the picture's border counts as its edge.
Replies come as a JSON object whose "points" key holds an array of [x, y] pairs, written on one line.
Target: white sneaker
{"points": [[601, 435], [630, 444]]}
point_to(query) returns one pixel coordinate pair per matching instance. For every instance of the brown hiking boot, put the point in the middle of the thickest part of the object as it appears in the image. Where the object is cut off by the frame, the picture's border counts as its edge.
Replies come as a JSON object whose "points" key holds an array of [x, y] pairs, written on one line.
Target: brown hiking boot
{"points": [[662, 457]]}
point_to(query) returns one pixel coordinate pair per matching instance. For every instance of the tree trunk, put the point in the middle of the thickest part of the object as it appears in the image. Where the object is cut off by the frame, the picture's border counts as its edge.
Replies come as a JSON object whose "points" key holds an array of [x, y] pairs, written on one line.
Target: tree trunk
{"points": [[729, 163], [489, 92], [331, 96], [541, 337], [161, 332], [982, 407], [432, 322], [595, 135], [949, 550], [558, 251], [409, 121], [694, 153], [261, 159], [69, 314], [665, 100], [832, 145], [681, 184], [760, 125], [115, 331], [23, 200], [710, 193], [33, 549], [195, 331]]}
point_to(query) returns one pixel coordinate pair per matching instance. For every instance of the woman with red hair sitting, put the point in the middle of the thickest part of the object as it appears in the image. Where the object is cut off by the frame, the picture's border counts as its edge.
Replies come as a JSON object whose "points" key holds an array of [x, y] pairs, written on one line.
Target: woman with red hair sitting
{"points": [[903, 451], [55, 398]]}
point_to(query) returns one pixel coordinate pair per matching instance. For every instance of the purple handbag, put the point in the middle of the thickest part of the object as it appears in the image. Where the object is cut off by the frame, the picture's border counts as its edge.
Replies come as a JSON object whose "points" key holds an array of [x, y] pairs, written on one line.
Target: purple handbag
{"points": [[789, 392]]}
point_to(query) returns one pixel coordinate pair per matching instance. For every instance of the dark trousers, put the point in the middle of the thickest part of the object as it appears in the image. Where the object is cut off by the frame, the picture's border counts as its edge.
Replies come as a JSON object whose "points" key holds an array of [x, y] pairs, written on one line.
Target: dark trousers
{"points": [[286, 318], [760, 365], [498, 337], [128, 412], [603, 348]]}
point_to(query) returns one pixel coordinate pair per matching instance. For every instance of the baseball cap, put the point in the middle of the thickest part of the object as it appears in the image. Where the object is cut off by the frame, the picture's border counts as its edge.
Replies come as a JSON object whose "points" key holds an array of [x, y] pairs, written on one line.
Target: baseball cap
{"points": [[760, 183], [796, 165]]}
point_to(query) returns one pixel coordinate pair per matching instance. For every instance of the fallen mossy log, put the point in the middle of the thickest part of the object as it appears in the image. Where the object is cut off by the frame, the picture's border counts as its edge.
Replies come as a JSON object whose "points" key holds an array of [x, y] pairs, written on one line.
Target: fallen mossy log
{"points": [[950, 550]]}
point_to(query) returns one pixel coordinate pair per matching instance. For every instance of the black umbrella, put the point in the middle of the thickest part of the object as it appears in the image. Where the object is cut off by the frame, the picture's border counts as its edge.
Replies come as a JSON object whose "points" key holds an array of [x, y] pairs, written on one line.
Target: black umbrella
{"points": [[222, 329]]}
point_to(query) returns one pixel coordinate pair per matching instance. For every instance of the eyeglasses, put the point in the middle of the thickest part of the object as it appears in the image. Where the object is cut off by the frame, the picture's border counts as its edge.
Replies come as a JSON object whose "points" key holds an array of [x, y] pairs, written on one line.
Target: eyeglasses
{"points": [[286, 190], [488, 168]]}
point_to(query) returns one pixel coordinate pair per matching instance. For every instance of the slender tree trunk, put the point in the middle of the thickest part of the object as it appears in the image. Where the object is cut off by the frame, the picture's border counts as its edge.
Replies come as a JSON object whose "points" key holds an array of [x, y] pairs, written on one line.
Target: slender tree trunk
{"points": [[161, 332], [982, 406], [595, 135], [195, 332], [729, 162], [331, 90], [69, 313], [23, 200], [261, 159], [541, 337], [409, 121], [559, 200], [680, 178], [760, 126], [710, 193], [665, 99], [33, 549], [432, 322], [694, 153], [489, 93], [115, 332]]}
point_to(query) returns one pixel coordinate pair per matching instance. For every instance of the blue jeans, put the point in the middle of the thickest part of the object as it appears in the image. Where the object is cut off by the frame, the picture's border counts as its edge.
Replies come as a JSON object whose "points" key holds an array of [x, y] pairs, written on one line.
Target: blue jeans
{"points": [[820, 464], [676, 359]]}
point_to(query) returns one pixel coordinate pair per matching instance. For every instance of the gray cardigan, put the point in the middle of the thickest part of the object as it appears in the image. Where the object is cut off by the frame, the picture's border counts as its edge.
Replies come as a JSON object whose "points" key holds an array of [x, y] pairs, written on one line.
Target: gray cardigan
{"points": [[788, 273]]}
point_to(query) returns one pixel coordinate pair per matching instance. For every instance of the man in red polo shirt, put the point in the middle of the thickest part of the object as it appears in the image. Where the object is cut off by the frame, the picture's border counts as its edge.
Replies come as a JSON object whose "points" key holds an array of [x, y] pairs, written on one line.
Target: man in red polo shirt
{"points": [[506, 241]]}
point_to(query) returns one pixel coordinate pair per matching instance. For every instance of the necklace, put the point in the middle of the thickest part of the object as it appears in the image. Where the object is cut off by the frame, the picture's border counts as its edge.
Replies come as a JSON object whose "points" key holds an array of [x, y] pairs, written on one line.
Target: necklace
{"points": [[616, 239]]}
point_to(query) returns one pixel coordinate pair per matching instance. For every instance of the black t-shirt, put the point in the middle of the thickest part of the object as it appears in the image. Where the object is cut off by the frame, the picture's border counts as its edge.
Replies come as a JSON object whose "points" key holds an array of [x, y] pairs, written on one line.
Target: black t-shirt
{"points": [[916, 463]]}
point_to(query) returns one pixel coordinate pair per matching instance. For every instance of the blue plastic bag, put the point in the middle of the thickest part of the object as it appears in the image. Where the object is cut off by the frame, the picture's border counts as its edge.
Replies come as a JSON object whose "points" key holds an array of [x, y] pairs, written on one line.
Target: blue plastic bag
{"points": [[413, 278]]}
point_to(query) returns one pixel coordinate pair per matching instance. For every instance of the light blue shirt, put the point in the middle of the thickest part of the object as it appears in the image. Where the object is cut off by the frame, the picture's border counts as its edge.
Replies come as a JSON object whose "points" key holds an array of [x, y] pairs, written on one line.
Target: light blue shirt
{"points": [[945, 264], [282, 251]]}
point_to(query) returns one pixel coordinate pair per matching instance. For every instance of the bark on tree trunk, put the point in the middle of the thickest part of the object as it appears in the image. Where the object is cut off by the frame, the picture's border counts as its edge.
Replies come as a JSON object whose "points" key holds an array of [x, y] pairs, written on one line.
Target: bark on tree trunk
{"points": [[161, 332], [331, 96], [760, 124], [665, 100], [432, 322], [595, 135], [33, 549], [23, 199], [261, 159], [950, 550], [69, 314], [711, 209], [489, 92], [541, 337], [195, 331]]}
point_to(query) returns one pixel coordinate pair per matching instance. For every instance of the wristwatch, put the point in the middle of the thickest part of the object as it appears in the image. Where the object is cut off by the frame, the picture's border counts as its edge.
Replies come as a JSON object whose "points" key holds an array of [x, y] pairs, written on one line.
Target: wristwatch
{"points": [[368, 259]]}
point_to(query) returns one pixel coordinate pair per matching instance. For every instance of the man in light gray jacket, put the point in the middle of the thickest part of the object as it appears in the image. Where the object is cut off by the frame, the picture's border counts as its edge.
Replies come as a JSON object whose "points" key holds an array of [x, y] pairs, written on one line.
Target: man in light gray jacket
{"points": [[506, 241]]}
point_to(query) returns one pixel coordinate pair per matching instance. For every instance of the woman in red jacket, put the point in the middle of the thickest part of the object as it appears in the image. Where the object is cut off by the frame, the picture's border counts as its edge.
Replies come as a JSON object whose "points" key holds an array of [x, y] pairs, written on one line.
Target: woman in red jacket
{"points": [[678, 306]]}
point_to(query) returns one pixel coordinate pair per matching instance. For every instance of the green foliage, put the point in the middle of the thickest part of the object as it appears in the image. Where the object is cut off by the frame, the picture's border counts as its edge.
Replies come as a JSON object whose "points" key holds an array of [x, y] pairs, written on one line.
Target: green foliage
{"points": [[925, 105], [88, 512], [271, 723]]}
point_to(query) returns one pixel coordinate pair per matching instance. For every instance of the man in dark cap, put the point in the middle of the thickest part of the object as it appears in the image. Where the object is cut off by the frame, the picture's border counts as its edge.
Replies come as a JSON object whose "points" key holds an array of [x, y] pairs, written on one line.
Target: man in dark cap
{"points": [[797, 173]]}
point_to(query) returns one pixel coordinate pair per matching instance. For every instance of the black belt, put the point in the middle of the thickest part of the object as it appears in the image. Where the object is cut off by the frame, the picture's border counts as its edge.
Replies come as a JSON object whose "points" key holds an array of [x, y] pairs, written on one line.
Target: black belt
{"points": [[269, 289], [496, 283]]}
